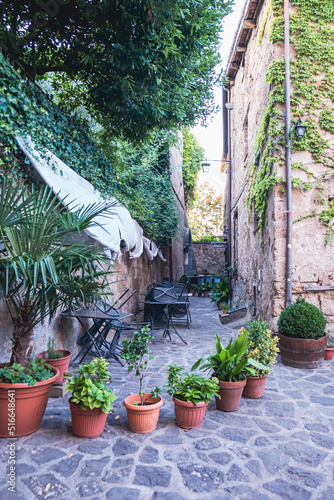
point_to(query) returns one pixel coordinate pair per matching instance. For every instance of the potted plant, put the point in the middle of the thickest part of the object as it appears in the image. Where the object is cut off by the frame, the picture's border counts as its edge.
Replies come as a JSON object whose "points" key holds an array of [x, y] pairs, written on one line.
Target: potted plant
{"points": [[330, 348], [231, 369], [219, 293], [59, 358], [91, 400], [191, 395], [41, 267], [302, 336], [200, 290], [143, 408], [24, 393], [206, 289], [262, 348], [193, 289]]}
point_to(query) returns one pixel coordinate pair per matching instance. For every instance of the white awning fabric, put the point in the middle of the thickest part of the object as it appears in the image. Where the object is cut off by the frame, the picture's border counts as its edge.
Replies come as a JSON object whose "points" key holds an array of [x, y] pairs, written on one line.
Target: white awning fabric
{"points": [[114, 227]]}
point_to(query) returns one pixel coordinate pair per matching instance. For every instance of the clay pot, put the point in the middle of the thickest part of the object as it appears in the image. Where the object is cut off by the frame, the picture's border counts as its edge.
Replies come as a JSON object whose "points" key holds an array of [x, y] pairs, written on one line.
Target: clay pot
{"points": [[193, 293], [199, 294], [143, 419], [230, 395], [329, 353], [302, 353], [188, 415], [206, 294], [61, 364], [254, 388], [87, 423], [28, 407]]}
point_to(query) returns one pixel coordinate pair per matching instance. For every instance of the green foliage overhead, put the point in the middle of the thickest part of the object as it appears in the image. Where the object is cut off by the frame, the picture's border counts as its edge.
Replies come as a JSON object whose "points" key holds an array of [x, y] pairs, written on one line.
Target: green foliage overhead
{"points": [[191, 387], [144, 64], [88, 386], [302, 320], [136, 175], [193, 155]]}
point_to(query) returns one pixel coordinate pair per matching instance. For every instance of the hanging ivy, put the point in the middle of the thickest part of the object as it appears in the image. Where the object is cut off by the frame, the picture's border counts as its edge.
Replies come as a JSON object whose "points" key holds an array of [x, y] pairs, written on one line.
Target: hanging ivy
{"points": [[312, 76]]}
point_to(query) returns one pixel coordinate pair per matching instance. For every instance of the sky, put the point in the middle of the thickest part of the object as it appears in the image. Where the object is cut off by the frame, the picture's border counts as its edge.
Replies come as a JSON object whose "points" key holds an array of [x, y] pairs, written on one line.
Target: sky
{"points": [[210, 137]]}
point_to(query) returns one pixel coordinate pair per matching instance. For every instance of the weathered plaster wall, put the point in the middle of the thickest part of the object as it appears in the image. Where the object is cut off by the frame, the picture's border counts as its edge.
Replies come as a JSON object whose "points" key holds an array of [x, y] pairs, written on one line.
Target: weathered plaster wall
{"points": [[209, 260], [249, 94]]}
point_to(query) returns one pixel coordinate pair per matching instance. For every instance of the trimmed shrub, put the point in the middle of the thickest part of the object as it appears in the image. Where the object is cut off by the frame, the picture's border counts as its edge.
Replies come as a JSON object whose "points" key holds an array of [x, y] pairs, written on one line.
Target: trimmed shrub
{"points": [[302, 320]]}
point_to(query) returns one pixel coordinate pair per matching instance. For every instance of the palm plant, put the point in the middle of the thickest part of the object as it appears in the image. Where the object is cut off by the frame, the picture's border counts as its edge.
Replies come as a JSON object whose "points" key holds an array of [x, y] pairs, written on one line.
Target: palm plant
{"points": [[42, 267]]}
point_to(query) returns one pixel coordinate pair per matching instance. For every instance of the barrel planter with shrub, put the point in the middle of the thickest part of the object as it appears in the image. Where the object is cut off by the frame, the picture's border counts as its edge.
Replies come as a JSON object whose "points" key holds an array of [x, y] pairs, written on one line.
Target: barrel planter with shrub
{"points": [[302, 336]]}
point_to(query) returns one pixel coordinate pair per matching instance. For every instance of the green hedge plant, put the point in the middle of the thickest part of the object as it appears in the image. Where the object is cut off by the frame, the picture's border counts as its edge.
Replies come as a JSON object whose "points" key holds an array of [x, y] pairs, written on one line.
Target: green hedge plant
{"points": [[191, 387], [302, 320]]}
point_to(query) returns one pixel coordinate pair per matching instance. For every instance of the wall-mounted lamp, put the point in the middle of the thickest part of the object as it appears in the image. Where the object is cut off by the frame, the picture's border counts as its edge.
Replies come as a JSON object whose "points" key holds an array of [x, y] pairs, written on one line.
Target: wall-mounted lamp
{"points": [[206, 167], [229, 106], [300, 129]]}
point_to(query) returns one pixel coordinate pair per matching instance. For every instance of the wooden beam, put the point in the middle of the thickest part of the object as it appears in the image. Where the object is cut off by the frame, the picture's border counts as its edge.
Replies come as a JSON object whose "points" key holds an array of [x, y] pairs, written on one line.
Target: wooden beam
{"points": [[250, 23], [320, 288], [241, 48]]}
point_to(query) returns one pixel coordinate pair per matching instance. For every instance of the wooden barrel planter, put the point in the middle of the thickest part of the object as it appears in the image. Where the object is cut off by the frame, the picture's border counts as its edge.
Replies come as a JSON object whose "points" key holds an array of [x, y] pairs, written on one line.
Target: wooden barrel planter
{"points": [[302, 353]]}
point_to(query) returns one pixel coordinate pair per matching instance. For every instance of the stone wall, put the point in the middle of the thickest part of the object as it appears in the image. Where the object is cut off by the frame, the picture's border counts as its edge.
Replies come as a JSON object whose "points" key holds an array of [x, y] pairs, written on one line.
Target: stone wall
{"points": [[209, 260], [261, 264]]}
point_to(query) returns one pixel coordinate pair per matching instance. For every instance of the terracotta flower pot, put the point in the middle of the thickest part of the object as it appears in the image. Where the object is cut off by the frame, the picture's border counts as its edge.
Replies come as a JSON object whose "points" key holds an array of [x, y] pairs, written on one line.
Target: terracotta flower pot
{"points": [[188, 415], [143, 419], [193, 293], [199, 294], [302, 353], [206, 294], [61, 364], [254, 388], [329, 353], [230, 395], [87, 423], [25, 413]]}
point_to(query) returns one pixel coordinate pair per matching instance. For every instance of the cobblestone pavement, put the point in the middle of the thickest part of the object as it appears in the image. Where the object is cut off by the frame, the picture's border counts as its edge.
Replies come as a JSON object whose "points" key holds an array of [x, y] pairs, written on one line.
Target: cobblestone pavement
{"points": [[281, 446]]}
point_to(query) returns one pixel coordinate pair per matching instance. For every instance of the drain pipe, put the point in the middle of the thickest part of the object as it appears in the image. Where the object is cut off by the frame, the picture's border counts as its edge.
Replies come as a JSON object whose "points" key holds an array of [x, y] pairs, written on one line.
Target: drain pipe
{"points": [[227, 157], [288, 285]]}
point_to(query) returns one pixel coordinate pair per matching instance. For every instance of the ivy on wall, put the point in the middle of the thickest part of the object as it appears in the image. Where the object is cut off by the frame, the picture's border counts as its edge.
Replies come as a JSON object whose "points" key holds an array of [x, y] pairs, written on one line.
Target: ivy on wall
{"points": [[312, 76], [139, 178]]}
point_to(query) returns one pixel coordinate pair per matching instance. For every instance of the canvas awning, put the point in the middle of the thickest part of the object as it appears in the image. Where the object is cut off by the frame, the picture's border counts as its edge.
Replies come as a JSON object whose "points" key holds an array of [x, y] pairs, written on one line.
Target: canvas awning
{"points": [[113, 227]]}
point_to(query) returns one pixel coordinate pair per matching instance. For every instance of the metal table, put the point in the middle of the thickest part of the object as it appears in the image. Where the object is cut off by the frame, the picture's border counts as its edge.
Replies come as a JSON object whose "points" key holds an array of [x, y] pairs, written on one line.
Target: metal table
{"points": [[169, 304], [94, 340]]}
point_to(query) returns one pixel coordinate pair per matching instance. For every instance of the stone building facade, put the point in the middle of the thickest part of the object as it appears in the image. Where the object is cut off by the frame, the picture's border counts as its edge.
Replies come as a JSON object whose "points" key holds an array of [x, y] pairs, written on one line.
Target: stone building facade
{"points": [[254, 142]]}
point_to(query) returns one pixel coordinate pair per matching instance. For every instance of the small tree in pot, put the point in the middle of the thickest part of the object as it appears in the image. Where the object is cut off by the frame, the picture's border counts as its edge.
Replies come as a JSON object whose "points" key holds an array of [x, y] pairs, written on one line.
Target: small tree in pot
{"points": [[142, 408], [302, 336]]}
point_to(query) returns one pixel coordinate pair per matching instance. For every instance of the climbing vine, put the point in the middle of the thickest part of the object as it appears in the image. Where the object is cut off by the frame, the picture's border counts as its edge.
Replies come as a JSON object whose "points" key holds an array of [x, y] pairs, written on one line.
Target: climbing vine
{"points": [[312, 77]]}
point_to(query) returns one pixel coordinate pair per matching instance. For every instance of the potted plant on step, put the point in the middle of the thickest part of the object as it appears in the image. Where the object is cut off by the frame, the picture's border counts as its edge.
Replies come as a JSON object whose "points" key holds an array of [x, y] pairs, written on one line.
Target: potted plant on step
{"points": [[230, 367], [262, 348], [91, 399], [206, 289], [302, 336], [219, 293], [330, 348], [24, 393], [143, 408], [59, 358], [191, 395], [41, 267]]}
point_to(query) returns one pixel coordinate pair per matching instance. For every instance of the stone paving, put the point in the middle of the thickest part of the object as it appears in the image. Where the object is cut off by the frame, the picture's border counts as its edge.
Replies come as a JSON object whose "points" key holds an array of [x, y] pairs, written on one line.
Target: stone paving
{"points": [[278, 447]]}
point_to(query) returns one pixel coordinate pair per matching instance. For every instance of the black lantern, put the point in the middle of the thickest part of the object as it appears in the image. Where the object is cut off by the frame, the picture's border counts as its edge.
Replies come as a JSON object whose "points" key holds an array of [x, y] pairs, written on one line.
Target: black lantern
{"points": [[300, 129], [205, 167]]}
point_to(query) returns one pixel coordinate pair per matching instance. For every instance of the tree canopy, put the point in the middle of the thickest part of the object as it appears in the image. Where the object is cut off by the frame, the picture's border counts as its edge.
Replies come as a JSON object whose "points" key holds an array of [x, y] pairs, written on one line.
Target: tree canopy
{"points": [[137, 64]]}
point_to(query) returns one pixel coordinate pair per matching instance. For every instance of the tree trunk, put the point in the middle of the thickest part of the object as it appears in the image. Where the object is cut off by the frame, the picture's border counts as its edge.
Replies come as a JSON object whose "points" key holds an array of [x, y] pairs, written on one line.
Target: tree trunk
{"points": [[22, 347]]}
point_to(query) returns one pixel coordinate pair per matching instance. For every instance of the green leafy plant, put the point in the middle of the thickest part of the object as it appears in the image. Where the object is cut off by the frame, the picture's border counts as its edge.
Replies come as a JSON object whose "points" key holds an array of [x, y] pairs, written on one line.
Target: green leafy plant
{"points": [[262, 346], [191, 387], [35, 371], [302, 320], [220, 291], [135, 353], [207, 287], [330, 340], [186, 281], [228, 364], [88, 386], [52, 352]]}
